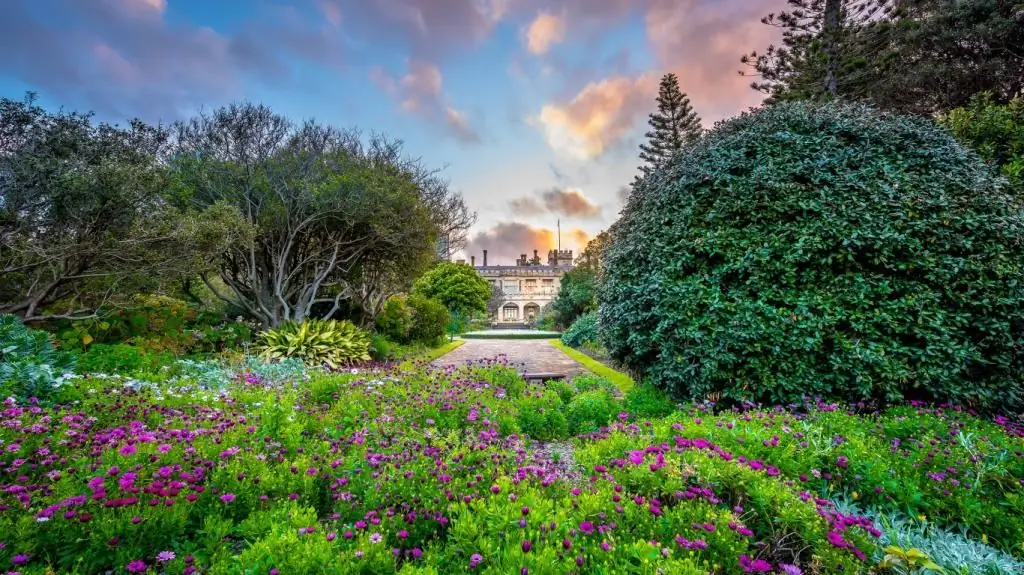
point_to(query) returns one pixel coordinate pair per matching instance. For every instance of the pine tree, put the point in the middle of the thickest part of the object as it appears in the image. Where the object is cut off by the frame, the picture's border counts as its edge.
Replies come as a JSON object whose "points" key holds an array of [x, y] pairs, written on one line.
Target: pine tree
{"points": [[674, 126]]}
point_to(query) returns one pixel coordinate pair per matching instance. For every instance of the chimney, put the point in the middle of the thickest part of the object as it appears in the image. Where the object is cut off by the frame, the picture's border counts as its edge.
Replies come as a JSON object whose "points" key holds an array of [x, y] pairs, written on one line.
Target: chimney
{"points": [[472, 261], [485, 258], [535, 256]]}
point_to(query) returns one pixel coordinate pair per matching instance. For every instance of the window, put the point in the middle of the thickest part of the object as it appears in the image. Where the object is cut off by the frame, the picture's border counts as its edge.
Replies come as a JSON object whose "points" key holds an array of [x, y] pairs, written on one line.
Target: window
{"points": [[510, 312]]}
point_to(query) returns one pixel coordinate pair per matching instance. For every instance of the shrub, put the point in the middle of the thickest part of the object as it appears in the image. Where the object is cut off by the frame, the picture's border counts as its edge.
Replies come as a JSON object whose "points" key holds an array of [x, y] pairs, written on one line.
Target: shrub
{"points": [[582, 331], [122, 358], [646, 401], [317, 342], [429, 321], [541, 417], [395, 320], [808, 249], [380, 348], [30, 366], [591, 410], [457, 286]]}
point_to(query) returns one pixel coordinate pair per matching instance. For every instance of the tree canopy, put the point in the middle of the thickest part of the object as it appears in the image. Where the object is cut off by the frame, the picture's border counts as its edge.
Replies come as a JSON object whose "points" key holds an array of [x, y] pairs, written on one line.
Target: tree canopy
{"points": [[674, 125], [458, 286], [83, 218]]}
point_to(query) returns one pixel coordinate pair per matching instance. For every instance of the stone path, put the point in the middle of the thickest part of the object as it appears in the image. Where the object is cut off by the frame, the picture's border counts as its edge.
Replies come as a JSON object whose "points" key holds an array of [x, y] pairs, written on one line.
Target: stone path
{"points": [[528, 355]]}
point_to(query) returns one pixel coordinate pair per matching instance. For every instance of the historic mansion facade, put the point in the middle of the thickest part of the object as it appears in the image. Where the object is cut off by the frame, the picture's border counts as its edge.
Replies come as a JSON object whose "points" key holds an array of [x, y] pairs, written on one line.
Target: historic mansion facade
{"points": [[528, 285]]}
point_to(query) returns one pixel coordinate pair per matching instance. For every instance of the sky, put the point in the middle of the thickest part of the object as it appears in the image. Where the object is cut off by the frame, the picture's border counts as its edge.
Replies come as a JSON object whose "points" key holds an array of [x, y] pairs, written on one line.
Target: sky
{"points": [[533, 109]]}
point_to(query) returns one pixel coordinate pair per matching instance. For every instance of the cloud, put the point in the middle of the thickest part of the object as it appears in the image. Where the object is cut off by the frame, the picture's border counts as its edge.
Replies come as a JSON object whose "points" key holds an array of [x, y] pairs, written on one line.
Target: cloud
{"points": [[700, 40], [125, 58], [598, 117], [565, 202], [421, 91], [506, 241], [331, 11], [546, 30]]}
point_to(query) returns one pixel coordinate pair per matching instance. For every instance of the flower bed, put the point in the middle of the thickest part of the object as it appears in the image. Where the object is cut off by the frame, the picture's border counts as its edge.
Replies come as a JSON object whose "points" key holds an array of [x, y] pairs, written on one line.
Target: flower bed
{"points": [[436, 472]]}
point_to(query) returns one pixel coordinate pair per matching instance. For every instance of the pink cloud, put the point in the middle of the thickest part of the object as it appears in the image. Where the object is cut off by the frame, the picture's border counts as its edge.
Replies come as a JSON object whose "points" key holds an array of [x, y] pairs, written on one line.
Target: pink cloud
{"points": [[546, 30], [421, 91]]}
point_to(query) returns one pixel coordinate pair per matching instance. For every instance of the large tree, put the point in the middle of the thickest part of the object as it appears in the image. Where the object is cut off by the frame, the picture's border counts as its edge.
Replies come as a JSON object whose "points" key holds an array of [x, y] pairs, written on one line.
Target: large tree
{"points": [[674, 125], [83, 218], [910, 56], [340, 223], [458, 286]]}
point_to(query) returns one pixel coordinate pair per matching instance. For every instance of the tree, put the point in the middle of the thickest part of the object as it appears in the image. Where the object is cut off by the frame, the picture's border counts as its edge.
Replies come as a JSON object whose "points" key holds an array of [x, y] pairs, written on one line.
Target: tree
{"points": [[83, 218], [674, 126], [577, 293], [909, 56], [339, 223], [457, 286], [496, 299], [832, 250]]}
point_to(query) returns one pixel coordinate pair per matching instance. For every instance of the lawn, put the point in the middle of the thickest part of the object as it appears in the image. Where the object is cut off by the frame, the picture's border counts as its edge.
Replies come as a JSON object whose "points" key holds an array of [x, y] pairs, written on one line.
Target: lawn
{"points": [[280, 469]]}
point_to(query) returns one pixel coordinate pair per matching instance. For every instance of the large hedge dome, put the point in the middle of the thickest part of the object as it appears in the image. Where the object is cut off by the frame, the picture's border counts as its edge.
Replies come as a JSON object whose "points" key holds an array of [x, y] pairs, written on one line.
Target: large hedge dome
{"points": [[805, 250]]}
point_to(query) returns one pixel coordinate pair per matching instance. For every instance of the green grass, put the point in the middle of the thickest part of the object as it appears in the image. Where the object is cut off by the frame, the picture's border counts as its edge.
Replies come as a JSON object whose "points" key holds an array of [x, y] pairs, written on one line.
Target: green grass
{"points": [[434, 353], [621, 380]]}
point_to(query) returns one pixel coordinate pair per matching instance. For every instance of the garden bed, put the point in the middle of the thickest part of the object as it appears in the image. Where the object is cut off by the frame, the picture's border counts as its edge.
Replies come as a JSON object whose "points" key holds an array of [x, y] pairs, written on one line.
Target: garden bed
{"points": [[439, 471]]}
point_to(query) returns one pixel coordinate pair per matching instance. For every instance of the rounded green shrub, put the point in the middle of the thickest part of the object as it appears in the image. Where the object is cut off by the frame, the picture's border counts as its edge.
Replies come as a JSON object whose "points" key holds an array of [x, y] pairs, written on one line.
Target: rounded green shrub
{"points": [[821, 249], [582, 331], [395, 320], [591, 410], [429, 319]]}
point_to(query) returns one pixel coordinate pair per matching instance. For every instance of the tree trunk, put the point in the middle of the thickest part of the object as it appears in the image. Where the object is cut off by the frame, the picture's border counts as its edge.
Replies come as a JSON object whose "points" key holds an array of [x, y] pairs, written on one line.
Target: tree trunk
{"points": [[831, 29]]}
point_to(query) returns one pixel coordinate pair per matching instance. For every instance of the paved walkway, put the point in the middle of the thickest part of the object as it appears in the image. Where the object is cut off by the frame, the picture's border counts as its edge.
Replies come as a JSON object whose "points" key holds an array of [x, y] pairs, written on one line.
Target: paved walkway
{"points": [[528, 355]]}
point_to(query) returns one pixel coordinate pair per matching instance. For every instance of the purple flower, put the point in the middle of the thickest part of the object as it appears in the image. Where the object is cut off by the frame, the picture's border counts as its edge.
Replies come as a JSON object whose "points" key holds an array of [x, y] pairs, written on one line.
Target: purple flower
{"points": [[475, 560], [586, 527], [527, 546], [754, 565], [227, 497], [842, 462], [136, 567], [165, 556], [19, 559], [790, 569]]}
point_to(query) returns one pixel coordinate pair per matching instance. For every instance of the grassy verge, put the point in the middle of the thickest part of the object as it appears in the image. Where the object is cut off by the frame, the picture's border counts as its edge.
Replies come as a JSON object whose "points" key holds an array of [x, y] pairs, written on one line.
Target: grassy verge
{"points": [[436, 352], [621, 380]]}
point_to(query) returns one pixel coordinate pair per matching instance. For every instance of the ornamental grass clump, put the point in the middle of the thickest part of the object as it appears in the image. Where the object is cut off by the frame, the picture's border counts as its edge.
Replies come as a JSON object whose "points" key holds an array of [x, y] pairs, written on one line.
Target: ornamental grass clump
{"points": [[828, 250]]}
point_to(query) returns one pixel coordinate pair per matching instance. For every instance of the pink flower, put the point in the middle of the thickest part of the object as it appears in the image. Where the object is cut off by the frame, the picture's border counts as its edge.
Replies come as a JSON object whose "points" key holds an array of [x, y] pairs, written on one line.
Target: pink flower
{"points": [[227, 497], [136, 567]]}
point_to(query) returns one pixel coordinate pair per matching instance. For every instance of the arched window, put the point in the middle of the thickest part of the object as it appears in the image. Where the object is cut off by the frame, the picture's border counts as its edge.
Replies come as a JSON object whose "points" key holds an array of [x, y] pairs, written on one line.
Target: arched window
{"points": [[510, 312], [531, 311]]}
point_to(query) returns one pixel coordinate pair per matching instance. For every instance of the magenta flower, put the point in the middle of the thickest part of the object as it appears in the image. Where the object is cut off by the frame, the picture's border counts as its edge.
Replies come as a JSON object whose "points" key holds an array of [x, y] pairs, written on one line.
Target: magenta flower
{"points": [[527, 546], [136, 566], [227, 497], [754, 565], [165, 556], [586, 527]]}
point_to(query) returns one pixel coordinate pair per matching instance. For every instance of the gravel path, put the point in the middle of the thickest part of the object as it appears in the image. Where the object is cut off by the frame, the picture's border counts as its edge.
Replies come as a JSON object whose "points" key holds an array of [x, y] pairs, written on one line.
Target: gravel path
{"points": [[528, 355]]}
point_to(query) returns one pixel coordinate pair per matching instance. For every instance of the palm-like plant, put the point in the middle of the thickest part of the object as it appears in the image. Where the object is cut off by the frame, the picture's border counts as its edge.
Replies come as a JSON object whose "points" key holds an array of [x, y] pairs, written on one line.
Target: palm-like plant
{"points": [[328, 343]]}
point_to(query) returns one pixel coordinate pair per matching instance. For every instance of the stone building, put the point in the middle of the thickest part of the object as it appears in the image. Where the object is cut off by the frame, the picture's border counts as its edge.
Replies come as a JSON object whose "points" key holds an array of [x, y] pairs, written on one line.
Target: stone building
{"points": [[527, 286]]}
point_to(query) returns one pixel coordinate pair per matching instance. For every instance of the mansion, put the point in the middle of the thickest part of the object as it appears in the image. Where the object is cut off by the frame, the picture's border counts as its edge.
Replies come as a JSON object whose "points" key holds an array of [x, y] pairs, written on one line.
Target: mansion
{"points": [[526, 286]]}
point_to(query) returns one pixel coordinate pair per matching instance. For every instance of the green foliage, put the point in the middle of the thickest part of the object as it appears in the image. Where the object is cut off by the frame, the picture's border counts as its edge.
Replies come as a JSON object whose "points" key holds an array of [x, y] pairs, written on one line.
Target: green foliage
{"points": [[457, 286], [122, 358], [591, 410], [395, 320], [541, 417], [996, 131], [577, 295], [84, 214], [821, 250], [430, 318], [582, 331], [646, 401], [380, 348], [30, 366], [157, 323], [316, 342], [673, 127]]}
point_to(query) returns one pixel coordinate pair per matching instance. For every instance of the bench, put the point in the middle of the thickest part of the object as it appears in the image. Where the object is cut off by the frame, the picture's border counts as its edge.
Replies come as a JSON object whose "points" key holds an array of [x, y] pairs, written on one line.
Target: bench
{"points": [[543, 376]]}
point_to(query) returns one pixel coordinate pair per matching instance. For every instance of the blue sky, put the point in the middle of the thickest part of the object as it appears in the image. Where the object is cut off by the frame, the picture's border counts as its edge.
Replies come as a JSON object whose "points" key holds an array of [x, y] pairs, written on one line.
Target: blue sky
{"points": [[534, 108]]}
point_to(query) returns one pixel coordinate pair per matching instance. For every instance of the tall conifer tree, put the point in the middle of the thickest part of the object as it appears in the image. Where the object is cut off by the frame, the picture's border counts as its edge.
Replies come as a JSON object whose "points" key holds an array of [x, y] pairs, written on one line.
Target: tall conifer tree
{"points": [[673, 127]]}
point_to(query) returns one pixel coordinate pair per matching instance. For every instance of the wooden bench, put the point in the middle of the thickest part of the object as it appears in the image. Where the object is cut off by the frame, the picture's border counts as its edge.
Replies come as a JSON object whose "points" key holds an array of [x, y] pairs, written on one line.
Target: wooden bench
{"points": [[542, 376]]}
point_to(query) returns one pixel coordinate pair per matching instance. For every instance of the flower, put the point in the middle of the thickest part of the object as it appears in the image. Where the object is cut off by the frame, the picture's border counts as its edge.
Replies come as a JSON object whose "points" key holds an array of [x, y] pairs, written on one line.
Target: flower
{"points": [[790, 569], [586, 527], [165, 556], [136, 566], [527, 546], [227, 497], [475, 560], [376, 538]]}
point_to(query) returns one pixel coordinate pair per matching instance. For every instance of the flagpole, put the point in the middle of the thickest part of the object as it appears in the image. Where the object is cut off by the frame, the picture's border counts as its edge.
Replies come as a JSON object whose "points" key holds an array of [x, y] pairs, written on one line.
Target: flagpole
{"points": [[559, 234]]}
